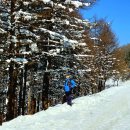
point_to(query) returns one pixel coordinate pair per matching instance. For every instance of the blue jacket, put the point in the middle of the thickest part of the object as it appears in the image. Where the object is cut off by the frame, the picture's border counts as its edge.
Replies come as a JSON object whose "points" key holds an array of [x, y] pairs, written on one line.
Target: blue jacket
{"points": [[67, 87]]}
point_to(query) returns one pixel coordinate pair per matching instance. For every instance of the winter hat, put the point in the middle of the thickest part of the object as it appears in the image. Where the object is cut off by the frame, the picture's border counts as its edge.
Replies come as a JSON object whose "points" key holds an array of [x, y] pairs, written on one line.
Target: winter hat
{"points": [[67, 76]]}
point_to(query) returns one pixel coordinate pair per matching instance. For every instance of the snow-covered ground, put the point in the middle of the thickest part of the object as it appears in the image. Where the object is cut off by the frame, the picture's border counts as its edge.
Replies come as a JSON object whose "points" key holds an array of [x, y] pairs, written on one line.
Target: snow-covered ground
{"points": [[107, 110]]}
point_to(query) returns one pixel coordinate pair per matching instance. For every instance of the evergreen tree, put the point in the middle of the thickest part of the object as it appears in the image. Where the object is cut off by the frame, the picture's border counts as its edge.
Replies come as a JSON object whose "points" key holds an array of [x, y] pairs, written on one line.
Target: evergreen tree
{"points": [[42, 38], [3, 56]]}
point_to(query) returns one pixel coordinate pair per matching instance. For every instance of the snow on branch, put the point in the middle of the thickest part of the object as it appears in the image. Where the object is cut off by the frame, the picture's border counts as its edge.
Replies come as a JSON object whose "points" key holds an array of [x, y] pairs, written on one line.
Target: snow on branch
{"points": [[2, 31], [67, 42], [77, 4], [24, 15], [46, 1], [28, 33], [18, 60], [83, 55]]}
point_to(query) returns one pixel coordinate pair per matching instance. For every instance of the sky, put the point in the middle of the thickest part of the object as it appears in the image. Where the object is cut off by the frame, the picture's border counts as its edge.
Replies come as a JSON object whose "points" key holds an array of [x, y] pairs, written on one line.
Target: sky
{"points": [[116, 12], [107, 110]]}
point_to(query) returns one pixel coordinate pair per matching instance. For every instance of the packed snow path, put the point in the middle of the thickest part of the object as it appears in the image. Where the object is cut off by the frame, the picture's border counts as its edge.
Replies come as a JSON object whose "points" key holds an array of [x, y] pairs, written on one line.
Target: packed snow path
{"points": [[107, 110]]}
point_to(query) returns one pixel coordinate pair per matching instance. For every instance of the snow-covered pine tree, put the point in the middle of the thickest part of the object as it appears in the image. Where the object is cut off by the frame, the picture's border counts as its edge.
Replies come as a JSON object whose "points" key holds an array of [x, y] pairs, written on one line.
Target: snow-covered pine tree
{"points": [[3, 56], [42, 37], [64, 36], [58, 34]]}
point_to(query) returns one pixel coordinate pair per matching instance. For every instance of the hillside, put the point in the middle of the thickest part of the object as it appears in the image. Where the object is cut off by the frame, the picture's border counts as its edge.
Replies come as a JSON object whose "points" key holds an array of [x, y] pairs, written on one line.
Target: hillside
{"points": [[107, 110]]}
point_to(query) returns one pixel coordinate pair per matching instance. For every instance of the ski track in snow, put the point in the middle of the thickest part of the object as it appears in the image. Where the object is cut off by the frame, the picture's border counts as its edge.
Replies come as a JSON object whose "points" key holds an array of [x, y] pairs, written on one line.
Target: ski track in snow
{"points": [[107, 110]]}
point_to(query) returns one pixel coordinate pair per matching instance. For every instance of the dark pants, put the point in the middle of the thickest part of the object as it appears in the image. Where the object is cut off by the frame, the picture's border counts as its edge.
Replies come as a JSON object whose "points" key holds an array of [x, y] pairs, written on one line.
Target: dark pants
{"points": [[68, 97]]}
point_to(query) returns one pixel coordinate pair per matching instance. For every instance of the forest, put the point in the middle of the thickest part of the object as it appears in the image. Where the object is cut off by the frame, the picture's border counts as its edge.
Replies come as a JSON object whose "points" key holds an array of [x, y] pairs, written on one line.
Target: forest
{"points": [[43, 40]]}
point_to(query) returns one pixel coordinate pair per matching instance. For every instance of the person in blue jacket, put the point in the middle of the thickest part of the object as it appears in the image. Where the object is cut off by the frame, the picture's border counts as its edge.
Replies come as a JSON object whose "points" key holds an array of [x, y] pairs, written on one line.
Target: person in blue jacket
{"points": [[68, 87]]}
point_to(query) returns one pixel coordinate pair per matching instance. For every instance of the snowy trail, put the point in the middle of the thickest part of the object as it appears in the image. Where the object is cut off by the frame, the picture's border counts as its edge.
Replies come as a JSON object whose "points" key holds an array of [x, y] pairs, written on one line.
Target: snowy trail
{"points": [[107, 110], [110, 113]]}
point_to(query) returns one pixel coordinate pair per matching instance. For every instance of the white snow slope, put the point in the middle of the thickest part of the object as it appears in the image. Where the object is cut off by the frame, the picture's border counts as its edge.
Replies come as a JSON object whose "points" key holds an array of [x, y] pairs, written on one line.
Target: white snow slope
{"points": [[107, 110]]}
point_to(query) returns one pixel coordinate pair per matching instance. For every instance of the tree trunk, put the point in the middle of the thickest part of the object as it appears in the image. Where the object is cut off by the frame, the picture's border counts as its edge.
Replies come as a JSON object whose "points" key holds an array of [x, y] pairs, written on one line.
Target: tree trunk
{"points": [[33, 105], [38, 102], [20, 93], [24, 89], [45, 90], [29, 101], [11, 92], [1, 118], [100, 86]]}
